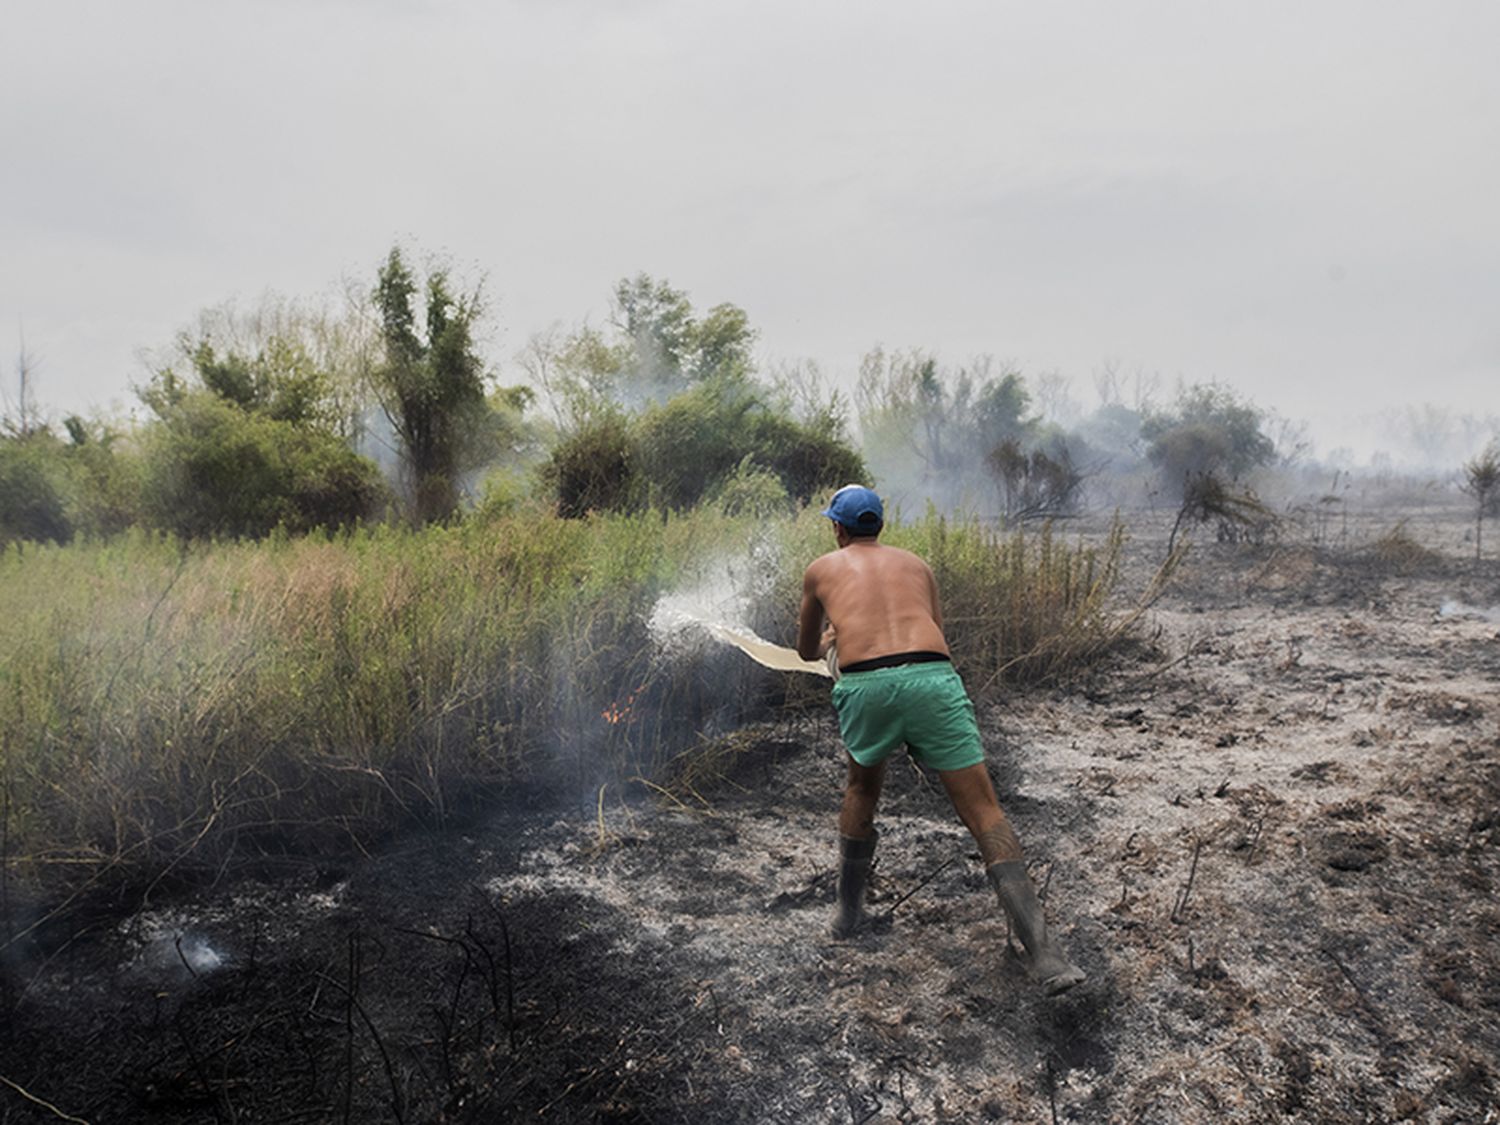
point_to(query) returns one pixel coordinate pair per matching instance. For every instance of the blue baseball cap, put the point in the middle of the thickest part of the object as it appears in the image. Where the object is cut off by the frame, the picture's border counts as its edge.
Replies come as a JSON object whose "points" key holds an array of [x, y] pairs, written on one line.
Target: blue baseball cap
{"points": [[857, 508]]}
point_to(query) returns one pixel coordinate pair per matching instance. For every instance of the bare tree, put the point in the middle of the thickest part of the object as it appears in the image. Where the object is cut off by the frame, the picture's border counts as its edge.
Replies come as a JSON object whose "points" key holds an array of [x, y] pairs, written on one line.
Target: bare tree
{"points": [[1289, 437], [539, 359], [22, 418], [1239, 514], [1113, 387], [1036, 484], [1482, 481], [1427, 432], [1052, 391]]}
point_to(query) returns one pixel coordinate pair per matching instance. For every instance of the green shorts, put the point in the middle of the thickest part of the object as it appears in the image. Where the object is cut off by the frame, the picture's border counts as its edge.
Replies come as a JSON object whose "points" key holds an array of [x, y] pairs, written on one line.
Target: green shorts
{"points": [[922, 705]]}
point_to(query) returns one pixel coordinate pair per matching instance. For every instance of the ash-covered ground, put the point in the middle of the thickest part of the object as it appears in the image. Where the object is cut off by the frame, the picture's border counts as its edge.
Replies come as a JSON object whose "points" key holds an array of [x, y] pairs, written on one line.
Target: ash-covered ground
{"points": [[1271, 837]]}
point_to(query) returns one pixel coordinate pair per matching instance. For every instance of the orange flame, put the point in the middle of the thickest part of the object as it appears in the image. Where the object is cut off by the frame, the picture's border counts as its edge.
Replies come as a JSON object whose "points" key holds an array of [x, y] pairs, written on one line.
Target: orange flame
{"points": [[620, 710]]}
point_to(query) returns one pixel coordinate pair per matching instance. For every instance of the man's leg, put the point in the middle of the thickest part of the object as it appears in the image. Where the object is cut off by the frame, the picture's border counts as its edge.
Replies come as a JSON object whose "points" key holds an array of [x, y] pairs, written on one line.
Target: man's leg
{"points": [[974, 800], [861, 795], [857, 838]]}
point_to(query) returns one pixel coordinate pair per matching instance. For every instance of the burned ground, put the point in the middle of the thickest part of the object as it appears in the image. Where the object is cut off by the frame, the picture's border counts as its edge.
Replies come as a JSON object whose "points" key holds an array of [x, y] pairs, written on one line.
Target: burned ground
{"points": [[1272, 841]]}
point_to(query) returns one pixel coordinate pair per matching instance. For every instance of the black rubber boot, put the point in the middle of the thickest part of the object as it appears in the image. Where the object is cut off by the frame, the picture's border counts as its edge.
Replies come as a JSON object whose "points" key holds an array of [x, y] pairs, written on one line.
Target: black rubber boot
{"points": [[856, 857], [1018, 897]]}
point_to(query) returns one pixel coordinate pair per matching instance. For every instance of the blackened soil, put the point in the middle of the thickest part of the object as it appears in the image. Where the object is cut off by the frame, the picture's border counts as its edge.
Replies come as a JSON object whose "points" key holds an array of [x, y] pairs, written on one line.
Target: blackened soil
{"points": [[406, 992], [657, 965]]}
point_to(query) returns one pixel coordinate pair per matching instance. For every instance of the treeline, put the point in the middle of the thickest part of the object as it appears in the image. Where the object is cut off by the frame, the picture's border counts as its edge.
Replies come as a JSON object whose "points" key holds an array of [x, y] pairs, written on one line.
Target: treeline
{"points": [[290, 417], [295, 419], [277, 419]]}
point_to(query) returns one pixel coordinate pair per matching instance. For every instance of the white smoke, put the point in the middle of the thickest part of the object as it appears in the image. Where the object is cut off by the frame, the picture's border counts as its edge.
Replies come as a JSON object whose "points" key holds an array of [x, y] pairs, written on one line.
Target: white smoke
{"points": [[1451, 607]]}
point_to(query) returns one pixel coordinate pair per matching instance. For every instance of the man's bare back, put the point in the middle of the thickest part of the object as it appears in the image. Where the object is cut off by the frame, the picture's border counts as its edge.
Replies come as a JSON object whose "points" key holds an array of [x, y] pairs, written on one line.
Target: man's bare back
{"points": [[881, 604], [879, 600]]}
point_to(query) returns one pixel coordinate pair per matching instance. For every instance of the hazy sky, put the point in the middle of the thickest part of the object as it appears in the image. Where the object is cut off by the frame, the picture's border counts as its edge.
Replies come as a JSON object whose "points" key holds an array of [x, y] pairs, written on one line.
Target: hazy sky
{"points": [[1299, 199]]}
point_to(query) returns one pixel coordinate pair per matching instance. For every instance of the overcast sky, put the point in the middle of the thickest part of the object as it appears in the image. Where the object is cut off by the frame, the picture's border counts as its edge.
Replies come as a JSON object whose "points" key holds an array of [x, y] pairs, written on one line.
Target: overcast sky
{"points": [[1298, 199]]}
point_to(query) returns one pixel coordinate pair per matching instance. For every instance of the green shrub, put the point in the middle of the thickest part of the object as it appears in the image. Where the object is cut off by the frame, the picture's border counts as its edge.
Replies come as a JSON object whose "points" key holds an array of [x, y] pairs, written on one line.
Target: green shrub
{"points": [[592, 469], [34, 489], [675, 454], [662, 411], [752, 491], [106, 470], [809, 457], [212, 469], [685, 446]]}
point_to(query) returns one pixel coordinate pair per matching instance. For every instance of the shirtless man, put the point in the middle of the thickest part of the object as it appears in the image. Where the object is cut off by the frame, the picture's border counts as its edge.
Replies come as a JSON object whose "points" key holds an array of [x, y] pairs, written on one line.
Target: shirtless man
{"points": [[897, 685]]}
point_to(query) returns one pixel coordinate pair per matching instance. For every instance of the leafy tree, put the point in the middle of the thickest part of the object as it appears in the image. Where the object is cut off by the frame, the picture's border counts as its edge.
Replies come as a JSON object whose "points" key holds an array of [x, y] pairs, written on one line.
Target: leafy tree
{"points": [[1000, 409], [506, 435], [659, 348], [285, 359], [1114, 431], [574, 373], [658, 322], [686, 444], [667, 412], [721, 344], [1210, 431], [808, 455], [254, 416], [53, 489], [280, 382], [693, 447], [430, 383], [33, 481]]}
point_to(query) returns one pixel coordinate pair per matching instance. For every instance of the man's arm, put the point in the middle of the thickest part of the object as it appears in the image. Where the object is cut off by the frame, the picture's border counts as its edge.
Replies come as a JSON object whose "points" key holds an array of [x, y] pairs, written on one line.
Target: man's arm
{"points": [[810, 620]]}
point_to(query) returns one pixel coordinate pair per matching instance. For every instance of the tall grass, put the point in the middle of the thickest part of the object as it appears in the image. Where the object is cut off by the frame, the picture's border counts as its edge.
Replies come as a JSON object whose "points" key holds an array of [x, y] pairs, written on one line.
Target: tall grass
{"points": [[1018, 607], [166, 707]]}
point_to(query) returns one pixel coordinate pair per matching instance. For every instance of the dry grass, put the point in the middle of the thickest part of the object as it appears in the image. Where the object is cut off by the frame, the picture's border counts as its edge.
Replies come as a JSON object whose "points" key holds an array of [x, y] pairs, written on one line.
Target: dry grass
{"points": [[1398, 552], [169, 709], [1029, 608]]}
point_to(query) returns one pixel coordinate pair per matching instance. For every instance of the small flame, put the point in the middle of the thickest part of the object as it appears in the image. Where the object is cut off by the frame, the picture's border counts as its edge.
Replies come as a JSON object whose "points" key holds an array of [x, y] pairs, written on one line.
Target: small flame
{"points": [[620, 710]]}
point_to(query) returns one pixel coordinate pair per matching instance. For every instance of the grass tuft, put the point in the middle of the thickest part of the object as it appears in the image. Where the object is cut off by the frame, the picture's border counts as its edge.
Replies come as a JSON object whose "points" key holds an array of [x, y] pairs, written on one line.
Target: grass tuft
{"points": [[1397, 551]]}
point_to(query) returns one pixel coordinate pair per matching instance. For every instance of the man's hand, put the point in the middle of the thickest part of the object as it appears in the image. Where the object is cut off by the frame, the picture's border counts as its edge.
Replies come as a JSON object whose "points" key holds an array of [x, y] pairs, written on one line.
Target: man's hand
{"points": [[826, 642]]}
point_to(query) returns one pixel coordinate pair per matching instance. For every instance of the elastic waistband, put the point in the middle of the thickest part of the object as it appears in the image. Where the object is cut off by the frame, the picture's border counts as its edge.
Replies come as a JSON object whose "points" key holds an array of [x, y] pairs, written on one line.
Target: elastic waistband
{"points": [[894, 660]]}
